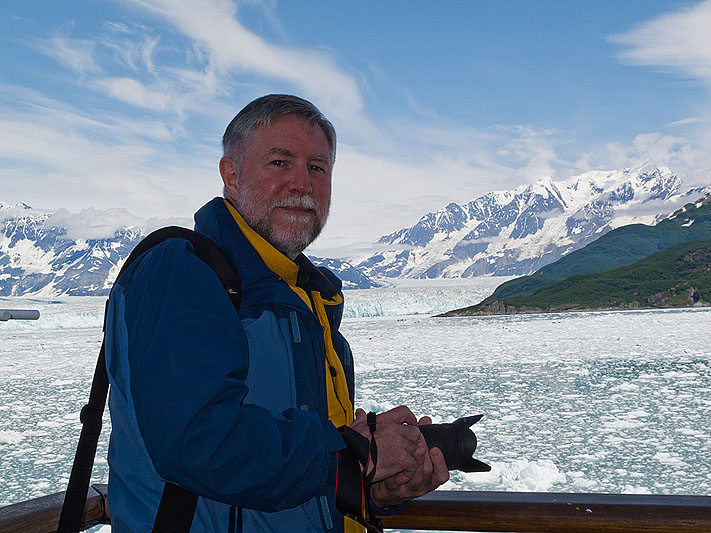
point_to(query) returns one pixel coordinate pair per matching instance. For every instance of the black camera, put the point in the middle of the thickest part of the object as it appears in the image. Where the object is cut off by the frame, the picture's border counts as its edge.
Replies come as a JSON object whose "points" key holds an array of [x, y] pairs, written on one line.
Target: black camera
{"points": [[457, 443]]}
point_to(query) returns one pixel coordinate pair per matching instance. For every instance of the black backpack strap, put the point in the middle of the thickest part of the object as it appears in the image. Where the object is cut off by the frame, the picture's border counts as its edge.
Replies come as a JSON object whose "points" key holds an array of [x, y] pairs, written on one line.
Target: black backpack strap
{"points": [[176, 510], [177, 506], [72, 515], [205, 249]]}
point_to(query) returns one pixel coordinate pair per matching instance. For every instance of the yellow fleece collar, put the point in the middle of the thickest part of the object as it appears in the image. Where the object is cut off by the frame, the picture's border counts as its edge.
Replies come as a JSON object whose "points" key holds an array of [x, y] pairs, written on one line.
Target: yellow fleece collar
{"points": [[276, 261]]}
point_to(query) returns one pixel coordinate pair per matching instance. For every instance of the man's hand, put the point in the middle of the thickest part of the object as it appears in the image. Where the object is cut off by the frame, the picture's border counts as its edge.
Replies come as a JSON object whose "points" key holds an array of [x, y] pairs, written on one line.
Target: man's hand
{"points": [[406, 468], [431, 473], [401, 446]]}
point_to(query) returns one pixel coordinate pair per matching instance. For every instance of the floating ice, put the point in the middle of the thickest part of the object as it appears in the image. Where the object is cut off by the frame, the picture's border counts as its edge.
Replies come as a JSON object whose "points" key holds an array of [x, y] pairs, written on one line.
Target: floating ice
{"points": [[521, 475], [668, 458], [584, 485], [632, 489], [10, 437], [626, 387]]}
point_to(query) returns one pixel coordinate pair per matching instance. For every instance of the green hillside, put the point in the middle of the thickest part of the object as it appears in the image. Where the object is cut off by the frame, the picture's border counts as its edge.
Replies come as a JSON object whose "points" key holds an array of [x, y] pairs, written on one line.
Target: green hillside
{"points": [[620, 247], [678, 276]]}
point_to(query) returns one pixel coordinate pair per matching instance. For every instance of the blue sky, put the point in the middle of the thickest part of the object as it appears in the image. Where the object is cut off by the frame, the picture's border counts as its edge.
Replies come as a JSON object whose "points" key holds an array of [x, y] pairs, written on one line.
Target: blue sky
{"points": [[113, 110]]}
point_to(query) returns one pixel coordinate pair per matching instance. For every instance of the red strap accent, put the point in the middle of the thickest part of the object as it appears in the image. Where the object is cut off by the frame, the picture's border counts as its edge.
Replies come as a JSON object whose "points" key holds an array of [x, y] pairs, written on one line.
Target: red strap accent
{"points": [[351, 490]]}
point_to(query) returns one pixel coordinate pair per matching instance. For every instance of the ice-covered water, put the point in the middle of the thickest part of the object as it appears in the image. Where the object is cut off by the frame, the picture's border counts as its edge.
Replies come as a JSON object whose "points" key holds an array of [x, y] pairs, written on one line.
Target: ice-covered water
{"points": [[46, 368], [580, 402], [586, 402]]}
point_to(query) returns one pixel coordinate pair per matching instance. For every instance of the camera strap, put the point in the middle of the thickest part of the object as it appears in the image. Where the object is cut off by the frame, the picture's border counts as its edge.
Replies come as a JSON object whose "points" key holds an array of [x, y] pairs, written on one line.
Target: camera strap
{"points": [[371, 421]]}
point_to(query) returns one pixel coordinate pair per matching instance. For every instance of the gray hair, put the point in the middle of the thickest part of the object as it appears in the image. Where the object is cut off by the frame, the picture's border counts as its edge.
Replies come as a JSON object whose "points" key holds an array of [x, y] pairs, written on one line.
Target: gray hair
{"points": [[261, 112]]}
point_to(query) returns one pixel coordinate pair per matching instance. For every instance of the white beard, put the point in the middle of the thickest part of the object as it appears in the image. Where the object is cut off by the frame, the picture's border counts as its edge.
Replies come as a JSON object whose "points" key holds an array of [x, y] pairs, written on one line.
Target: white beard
{"points": [[290, 241]]}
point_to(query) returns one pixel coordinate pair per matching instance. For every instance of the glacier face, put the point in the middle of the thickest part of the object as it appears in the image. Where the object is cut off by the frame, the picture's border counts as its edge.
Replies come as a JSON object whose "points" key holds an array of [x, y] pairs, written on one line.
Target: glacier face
{"points": [[515, 232]]}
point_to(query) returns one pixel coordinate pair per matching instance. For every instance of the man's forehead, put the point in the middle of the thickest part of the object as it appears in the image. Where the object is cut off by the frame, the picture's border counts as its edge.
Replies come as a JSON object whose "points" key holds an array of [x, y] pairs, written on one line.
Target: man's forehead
{"points": [[287, 133], [285, 122]]}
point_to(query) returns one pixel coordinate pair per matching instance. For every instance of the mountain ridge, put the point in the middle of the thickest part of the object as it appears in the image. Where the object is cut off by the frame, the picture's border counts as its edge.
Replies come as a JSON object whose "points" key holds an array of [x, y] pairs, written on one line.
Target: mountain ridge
{"points": [[517, 231]]}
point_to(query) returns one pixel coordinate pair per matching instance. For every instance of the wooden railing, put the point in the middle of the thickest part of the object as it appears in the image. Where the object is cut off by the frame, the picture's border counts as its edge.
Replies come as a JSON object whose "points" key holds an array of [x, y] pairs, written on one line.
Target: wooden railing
{"points": [[41, 515], [555, 512], [457, 511]]}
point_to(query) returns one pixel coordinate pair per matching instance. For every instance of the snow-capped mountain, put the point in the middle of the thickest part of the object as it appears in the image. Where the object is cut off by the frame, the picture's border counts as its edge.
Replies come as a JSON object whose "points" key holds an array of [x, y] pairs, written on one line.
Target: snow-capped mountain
{"points": [[515, 232], [352, 277], [39, 258]]}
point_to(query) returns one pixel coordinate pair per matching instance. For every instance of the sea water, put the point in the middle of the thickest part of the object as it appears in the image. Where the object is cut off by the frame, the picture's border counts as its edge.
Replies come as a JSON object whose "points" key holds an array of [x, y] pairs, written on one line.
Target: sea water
{"points": [[576, 402]]}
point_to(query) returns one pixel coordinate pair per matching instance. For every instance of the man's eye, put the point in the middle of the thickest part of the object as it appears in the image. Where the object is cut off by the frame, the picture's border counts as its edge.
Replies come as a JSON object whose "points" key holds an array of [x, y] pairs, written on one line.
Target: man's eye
{"points": [[318, 168], [278, 163]]}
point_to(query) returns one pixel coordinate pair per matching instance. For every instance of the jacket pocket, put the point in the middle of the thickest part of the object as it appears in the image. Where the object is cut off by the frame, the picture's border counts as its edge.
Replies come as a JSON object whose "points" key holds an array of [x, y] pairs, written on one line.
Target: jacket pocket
{"points": [[270, 377]]}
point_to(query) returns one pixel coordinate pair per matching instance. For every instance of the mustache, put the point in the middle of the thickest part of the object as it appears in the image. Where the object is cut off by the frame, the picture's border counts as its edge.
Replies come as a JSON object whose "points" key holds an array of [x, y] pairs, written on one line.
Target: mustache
{"points": [[300, 202]]}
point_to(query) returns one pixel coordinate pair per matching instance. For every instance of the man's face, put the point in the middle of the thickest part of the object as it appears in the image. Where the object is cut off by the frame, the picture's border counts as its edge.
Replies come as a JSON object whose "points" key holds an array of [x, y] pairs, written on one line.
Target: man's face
{"points": [[283, 186]]}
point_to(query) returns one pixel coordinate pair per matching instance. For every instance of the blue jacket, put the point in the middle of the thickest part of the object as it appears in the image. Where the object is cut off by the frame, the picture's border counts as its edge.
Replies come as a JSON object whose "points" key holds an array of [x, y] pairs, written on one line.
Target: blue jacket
{"points": [[229, 405]]}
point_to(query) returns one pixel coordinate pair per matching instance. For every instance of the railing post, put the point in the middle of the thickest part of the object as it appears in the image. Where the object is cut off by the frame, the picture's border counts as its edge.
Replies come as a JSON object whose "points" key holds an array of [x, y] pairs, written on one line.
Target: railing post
{"points": [[18, 314]]}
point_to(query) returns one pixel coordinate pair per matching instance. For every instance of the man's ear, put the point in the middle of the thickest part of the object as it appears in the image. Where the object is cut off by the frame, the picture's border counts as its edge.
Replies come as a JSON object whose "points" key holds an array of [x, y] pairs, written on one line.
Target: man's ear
{"points": [[229, 173]]}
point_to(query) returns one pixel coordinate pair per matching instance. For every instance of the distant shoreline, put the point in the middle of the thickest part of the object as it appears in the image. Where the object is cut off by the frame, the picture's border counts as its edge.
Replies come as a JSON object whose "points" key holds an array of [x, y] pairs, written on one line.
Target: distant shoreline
{"points": [[511, 310]]}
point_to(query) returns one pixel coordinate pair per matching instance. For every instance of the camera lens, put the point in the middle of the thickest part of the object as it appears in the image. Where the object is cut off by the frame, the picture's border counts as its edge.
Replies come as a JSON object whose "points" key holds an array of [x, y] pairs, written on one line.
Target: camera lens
{"points": [[457, 443]]}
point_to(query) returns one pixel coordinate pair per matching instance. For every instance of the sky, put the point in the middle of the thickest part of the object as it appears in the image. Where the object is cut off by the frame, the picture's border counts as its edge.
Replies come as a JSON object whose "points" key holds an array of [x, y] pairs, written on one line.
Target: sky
{"points": [[112, 111]]}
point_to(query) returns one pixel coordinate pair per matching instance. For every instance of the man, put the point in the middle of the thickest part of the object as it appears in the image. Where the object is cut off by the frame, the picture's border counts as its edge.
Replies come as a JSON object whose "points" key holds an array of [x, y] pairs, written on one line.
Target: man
{"points": [[251, 409]]}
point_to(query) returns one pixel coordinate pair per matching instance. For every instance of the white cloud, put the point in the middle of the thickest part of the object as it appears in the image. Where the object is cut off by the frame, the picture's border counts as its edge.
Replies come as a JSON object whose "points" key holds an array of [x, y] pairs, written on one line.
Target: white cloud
{"points": [[116, 27], [677, 153], [133, 92], [531, 151], [16, 210], [75, 54], [616, 155], [679, 41], [583, 164], [685, 121], [129, 53], [132, 47], [221, 55], [231, 46], [59, 156], [92, 223]]}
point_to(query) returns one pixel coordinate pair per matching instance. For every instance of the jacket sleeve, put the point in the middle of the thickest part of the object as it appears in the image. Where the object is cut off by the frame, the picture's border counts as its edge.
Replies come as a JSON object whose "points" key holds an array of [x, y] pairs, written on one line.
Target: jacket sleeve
{"points": [[187, 362]]}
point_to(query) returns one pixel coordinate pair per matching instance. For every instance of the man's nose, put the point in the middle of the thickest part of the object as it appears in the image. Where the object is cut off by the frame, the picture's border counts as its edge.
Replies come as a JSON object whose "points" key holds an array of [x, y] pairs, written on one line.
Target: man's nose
{"points": [[300, 180]]}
